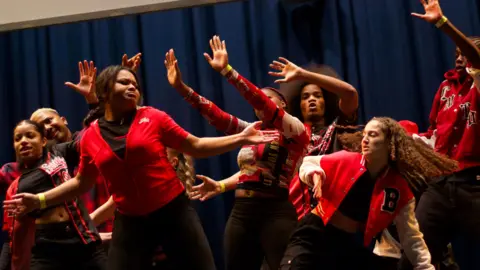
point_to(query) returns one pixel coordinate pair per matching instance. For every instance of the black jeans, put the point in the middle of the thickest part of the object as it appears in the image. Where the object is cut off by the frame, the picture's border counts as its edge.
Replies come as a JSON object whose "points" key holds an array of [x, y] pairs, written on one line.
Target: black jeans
{"points": [[450, 208], [258, 228], [316, 246], [176, 227], [6, 257], [58, 247]]}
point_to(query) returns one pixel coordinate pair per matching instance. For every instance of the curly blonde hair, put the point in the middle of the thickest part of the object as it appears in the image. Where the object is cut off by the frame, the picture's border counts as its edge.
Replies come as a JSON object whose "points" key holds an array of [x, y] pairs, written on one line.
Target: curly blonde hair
{"points": [[415, 160], [185, 168]]}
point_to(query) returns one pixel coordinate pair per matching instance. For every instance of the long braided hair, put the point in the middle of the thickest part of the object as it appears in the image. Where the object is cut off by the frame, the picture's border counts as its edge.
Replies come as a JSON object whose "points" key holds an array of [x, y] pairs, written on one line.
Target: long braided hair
{"points": [[185, 168]]}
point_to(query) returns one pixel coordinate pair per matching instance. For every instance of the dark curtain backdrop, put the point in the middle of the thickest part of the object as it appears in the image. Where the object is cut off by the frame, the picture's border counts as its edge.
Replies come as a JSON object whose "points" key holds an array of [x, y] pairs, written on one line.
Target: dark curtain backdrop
{"points": [[395, 61]]}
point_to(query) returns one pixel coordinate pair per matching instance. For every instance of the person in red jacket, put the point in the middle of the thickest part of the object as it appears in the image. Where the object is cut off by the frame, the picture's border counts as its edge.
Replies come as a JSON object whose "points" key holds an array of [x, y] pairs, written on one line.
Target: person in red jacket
{"points": [[127, 146], [360, 194], [448, 209], [262, 217]]}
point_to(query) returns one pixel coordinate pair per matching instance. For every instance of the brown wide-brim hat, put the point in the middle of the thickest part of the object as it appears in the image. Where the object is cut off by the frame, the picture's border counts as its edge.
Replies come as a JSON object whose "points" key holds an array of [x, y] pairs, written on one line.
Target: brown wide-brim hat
{"points": [[291, 89]]}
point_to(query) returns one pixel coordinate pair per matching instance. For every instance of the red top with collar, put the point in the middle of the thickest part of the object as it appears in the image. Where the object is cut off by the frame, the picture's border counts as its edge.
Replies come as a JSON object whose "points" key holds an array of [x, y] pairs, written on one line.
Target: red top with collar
{"points": [[391, 192], [454, 116], [144, 180]]}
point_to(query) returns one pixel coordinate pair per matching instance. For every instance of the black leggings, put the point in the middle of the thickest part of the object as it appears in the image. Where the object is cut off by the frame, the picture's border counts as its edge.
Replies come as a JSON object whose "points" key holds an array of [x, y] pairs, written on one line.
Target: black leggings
{"points": [[6, 257], [258, 228], [316, 246], [450, 208], [58, 247], [176, 227]]}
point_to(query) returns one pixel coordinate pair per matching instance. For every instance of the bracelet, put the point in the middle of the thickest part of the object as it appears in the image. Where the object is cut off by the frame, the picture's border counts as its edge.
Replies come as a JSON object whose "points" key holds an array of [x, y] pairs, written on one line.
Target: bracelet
{"points": [[441, 22], [226, 70], [43, 201], [222, 187]]}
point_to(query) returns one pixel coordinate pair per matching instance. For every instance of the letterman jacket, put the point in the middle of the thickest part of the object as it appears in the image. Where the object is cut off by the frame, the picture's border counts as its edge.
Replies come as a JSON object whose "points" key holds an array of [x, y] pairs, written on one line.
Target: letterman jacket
{"points": [[392, 200]]}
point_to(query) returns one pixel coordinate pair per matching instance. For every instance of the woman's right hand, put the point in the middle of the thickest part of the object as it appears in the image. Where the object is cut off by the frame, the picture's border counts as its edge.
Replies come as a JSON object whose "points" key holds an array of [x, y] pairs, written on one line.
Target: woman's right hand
{"points": [[206, 190], [22, 204], [317, 191], [174, 75]]}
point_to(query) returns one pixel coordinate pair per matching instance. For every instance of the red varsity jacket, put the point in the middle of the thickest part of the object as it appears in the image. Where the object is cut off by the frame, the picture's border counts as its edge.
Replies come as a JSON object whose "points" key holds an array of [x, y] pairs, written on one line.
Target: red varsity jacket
{"points": [[341, 170]]}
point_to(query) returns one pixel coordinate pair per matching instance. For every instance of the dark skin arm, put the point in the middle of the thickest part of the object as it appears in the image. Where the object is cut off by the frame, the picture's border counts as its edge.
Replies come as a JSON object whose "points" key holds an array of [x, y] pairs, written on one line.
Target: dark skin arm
{"points": [[433, 13]]}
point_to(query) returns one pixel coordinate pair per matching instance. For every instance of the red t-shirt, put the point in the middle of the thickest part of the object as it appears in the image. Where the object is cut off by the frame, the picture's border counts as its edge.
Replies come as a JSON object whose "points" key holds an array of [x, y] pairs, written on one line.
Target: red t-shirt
{"points": [[144, 180]]}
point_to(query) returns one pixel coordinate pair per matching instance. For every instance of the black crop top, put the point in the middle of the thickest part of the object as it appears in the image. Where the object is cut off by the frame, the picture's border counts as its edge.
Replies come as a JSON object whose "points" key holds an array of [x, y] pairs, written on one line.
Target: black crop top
{"points": [[356, 205], [35, 180]]}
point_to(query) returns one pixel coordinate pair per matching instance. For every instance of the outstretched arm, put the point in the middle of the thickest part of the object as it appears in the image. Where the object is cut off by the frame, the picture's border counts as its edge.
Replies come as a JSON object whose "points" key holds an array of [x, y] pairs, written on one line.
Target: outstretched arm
{"points": [[210, 188], [346, 92], [174, 136], [290, 126], [206, 147], [434, 15], [218, 118]]}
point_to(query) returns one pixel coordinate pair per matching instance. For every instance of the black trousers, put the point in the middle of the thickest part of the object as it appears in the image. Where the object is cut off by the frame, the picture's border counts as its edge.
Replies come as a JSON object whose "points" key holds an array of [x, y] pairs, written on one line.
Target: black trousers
{"points": [[176, 227], [316, 246], [258, 228], [448, 209], [6, 257], [58, 247]]}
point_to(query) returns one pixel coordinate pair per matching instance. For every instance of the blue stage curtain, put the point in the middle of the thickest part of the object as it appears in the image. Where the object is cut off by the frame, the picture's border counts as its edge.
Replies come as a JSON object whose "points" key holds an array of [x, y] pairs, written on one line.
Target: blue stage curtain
{"points": [[395, 61]]}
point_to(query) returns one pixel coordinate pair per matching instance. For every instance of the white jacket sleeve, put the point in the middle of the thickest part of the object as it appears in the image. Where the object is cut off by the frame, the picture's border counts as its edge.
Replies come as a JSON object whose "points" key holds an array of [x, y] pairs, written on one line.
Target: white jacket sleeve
{"points": [[412, 239], [310, 165]]}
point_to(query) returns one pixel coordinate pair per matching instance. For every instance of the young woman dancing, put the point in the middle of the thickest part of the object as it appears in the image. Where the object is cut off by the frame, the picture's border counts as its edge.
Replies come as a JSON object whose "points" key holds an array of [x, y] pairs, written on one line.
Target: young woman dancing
{"points": [[262, 217], [328, 107], [360, 194], [183, 166], [127, 146], [65, 237]]}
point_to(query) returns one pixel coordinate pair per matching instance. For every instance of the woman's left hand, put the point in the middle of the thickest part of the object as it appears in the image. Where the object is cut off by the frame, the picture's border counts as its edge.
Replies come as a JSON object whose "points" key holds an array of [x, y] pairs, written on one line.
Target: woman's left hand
{"points": [[220, 55], [286, 69], [252, 135]]}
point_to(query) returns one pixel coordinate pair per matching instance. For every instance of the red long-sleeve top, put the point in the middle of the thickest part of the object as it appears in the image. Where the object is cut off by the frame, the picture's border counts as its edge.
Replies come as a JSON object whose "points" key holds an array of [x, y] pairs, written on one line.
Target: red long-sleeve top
{"points": [[264, 167]]}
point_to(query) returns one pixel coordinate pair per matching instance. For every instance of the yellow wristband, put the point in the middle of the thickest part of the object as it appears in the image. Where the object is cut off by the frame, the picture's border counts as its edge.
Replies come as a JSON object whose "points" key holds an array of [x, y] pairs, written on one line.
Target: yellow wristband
{"points": [[225, 71], [441, 22], [43, 201], [222, 187]]}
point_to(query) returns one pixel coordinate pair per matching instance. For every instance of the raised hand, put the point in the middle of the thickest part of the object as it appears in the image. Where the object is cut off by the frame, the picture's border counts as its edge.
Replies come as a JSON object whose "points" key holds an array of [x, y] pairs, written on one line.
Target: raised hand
{"points": [[286, 69], [252, 135], [220, 55], [21, 204], [86, 84], [174, 75], [132, 63], [207, 189], [433, 12]]}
